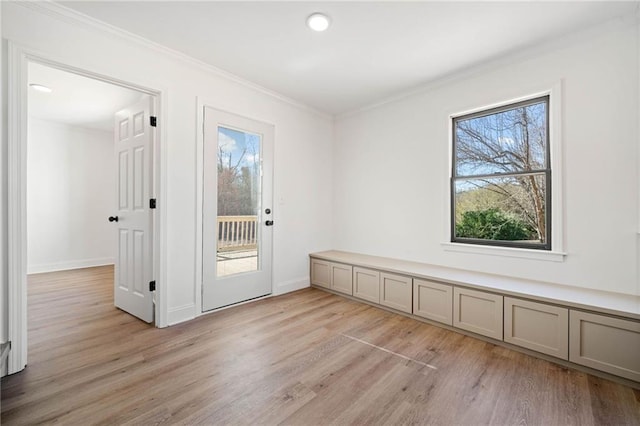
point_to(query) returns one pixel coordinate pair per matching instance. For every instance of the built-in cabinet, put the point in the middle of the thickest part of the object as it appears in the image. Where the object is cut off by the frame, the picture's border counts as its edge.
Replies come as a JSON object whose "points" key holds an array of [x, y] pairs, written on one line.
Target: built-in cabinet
{"points": [[478, 311], [341, 278], [366, 284], [537, 326], [321, 273], [331, 275], [601, 342], [605, 343], [396, 291], [391, 290], [433, 301]]}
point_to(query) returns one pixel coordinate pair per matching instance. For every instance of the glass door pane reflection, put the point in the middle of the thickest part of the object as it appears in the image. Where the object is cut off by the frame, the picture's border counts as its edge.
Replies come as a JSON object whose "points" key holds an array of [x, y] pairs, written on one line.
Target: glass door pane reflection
{"points": [[239, 195]]}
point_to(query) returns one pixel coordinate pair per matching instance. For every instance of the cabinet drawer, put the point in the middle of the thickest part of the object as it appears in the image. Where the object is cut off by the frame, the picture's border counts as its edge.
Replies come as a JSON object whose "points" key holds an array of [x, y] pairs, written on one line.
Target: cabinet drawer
{"points": [[433, 301], [605, 343], [366, 284], [537, 326], [321, 273], [396, 292], [478, 312], [342, 278]]}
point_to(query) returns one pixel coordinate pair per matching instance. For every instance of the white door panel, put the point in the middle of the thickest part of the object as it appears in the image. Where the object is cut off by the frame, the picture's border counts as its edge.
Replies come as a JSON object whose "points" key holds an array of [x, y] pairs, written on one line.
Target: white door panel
{"points": [[237, 209], [134, 156]]}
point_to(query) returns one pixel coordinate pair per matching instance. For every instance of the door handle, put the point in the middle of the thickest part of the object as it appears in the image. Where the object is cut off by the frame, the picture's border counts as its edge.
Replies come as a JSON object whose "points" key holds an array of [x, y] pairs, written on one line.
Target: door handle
{"points": [[113, 218], [269, 223]]}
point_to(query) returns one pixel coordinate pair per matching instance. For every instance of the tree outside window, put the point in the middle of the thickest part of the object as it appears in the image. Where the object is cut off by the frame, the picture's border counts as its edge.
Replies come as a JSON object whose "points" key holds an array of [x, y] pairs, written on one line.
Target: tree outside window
{"points": [[501, 178], [238, 172]]}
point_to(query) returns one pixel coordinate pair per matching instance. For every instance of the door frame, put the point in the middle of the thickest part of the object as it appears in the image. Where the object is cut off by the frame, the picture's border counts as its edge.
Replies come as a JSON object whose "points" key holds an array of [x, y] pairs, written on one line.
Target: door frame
{"points": [[18, 60], [201, 104]]}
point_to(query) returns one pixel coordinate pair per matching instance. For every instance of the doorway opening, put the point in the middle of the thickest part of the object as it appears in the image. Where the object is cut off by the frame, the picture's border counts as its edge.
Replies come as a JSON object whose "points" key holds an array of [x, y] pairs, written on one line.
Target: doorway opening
{"points": [[68, 172], [71, 181], [89, 178]]}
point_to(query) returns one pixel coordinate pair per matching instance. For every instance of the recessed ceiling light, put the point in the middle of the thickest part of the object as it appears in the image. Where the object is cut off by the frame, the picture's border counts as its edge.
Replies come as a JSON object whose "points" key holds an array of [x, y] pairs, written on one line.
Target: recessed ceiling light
{"points": [[318, 22], [40, 88]]}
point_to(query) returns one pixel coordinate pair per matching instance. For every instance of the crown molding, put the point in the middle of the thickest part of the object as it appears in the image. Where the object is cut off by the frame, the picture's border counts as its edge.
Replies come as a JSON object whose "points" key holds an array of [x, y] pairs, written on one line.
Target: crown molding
{"points": [[70, 16]]}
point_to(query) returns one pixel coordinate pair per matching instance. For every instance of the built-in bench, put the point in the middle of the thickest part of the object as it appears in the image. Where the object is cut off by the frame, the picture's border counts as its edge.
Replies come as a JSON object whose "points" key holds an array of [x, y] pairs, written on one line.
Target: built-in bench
{"points": [[574, 326]]}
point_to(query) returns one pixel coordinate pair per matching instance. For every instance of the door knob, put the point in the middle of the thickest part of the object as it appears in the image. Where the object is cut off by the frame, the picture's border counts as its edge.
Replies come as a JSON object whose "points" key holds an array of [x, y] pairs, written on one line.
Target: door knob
{"points": [[269, 223], [113, 218]]}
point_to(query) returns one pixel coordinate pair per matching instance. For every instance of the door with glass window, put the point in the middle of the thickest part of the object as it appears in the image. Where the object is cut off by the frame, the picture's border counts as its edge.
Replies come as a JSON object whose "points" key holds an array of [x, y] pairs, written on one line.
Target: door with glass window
{"points": [[237, 220]]}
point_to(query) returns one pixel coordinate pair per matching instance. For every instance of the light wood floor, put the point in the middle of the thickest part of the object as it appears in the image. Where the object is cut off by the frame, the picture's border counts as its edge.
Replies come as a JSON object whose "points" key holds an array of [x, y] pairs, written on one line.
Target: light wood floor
{"points": [[304, 358]]}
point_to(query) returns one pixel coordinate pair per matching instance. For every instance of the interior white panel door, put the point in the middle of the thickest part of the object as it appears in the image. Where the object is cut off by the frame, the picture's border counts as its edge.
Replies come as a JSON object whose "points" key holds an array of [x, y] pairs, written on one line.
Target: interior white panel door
{"points": [[237, 215], [134, 159]]}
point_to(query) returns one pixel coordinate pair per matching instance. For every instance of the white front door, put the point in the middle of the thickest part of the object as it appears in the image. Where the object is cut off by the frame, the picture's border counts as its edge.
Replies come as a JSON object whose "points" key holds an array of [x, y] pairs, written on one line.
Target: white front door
{"points": [[237, 209], [133, 220]]}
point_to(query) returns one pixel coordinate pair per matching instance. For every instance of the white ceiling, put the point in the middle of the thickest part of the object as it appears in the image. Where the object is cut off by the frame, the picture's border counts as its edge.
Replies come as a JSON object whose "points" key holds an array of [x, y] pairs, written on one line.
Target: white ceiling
{"points": [[76, 100], [372, 50]]}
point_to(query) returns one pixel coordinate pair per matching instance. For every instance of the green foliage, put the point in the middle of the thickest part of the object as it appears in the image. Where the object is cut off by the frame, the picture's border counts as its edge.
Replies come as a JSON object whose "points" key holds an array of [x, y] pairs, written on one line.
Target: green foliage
{"points": [[492, 224], [480, 198]]}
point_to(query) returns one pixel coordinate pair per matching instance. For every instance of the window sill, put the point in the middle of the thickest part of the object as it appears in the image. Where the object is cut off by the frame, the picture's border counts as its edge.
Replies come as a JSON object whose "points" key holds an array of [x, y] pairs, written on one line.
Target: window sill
{"points": [[550, 256]]}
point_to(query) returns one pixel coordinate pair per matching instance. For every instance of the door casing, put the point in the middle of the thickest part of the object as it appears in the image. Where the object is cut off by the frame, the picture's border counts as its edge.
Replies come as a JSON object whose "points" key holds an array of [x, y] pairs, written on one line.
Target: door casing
{"points": [[18, 59]]}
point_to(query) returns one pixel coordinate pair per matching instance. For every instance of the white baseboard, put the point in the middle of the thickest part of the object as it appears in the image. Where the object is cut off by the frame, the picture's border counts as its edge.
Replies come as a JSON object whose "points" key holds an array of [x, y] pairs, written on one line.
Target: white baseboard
{"points": [[187, 312], [180, 314], [71, 264], [291, 285]]}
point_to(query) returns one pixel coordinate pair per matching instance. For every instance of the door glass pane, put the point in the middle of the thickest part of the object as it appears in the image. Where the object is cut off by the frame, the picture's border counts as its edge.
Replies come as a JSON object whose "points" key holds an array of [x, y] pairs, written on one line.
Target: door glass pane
{"points": [[239, 196]]}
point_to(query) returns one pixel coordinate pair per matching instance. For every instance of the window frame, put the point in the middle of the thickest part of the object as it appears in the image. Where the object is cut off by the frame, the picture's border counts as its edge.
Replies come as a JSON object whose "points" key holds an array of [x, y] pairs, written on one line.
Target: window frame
{"points": [[548, 245]]}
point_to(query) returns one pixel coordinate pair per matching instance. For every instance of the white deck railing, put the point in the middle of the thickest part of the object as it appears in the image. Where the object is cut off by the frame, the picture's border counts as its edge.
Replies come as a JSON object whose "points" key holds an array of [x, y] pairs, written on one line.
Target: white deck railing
{"points": [[237, 233]]}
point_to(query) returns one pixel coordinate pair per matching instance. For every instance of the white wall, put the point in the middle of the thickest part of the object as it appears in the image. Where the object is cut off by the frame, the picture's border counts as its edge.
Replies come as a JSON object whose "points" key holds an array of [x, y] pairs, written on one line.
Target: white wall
{"points": [[383, 182], [303, 146], [70, 195], [391, 164]]}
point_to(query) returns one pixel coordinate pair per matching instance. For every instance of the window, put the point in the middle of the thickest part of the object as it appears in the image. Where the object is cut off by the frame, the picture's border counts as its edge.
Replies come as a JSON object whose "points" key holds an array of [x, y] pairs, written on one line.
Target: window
{"points": [[501, 177]]}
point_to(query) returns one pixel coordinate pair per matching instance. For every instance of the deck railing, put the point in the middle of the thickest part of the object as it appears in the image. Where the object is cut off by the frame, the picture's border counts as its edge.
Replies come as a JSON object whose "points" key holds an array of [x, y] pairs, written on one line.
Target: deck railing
{"points": [[237, 233]]}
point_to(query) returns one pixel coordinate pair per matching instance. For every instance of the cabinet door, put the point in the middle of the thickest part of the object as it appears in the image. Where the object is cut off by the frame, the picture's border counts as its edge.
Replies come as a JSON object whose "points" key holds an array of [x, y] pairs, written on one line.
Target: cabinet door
{"points": [[341, 278], [478, 312], [433, 301], [321, 273], [605, 343], [537, 326], [366, 284], [396, 292]]}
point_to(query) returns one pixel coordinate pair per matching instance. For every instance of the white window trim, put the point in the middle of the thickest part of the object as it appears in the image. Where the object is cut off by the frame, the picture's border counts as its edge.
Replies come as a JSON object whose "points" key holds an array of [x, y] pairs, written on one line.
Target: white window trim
{"points": [[523, 253], [556, 254]]}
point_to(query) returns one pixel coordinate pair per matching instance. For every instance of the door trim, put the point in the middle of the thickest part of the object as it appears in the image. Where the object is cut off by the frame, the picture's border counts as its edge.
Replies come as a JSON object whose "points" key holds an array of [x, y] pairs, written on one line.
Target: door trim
{"points": [[201, 104], [17, 60]]}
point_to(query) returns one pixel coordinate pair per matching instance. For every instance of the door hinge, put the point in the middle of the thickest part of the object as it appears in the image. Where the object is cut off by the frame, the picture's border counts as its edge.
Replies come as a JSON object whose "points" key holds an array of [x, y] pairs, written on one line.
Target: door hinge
{"points": [[153, 121], [152, 203], [152, 285]]}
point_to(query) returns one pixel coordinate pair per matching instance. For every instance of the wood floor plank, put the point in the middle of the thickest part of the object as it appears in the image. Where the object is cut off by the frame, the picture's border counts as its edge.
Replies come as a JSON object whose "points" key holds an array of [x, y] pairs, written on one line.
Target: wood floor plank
{"points": [[305, 358]]}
